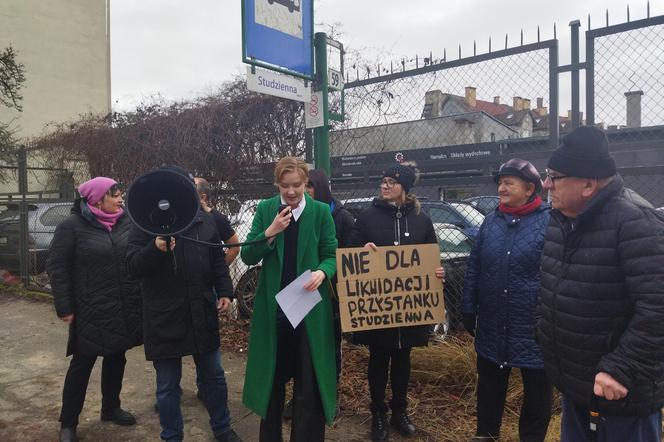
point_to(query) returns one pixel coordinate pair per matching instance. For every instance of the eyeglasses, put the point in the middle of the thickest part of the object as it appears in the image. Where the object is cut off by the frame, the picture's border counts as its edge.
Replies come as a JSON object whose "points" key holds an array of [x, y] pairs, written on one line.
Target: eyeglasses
{"points": [[553, 178], [388, 182]]}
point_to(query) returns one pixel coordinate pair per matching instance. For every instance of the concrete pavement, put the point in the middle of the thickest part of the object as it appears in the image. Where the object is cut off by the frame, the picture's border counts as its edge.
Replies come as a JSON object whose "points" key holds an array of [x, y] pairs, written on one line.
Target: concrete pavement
{"points": [[32, 371]]}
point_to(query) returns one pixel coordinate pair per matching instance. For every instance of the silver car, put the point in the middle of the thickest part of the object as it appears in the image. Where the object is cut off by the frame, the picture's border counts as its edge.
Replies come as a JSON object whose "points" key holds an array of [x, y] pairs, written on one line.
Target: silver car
{"points": [[43, 218]]}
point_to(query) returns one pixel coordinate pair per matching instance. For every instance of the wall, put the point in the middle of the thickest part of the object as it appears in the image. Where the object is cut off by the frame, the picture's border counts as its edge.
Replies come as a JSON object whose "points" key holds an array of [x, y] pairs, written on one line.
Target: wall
{"points": [[64, 47], [475, 127]]}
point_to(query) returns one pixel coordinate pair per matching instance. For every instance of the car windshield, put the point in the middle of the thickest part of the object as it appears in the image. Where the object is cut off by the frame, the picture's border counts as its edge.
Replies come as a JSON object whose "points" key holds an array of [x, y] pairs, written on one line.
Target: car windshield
{"points": [[452, 240], [472, 216], [9, 213]]}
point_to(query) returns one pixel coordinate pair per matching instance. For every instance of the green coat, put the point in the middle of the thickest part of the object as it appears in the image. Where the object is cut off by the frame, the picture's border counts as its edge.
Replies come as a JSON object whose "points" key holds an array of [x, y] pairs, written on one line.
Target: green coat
{"points": [[316, 248]]}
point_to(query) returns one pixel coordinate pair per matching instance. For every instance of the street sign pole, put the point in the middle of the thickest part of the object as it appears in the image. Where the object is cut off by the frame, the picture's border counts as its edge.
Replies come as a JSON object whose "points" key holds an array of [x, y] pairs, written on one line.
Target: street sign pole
{"points": [[321, 134]]}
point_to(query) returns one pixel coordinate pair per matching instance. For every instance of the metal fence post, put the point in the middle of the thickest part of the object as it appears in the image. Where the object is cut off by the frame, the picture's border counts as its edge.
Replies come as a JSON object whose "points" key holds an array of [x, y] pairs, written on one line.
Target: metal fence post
{"points": [[576, 121], [553, 95], [308, 145], [322, 134], [24, 258], [590, 79]]}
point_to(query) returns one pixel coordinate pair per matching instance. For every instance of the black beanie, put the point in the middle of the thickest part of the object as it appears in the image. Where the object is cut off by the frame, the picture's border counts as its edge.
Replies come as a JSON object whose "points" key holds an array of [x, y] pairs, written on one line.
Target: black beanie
{"points": [[179, 170], [584, 153], [403, 174]]}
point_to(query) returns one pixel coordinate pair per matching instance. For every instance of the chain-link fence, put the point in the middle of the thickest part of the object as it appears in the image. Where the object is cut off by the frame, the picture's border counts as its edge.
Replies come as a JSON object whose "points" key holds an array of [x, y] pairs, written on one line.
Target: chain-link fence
{"points": [[457, 119], [460, 119], [34, 199], [626, 62]]}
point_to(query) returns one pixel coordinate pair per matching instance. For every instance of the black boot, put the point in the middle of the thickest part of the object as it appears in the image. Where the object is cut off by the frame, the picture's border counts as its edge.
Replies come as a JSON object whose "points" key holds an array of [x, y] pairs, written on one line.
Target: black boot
{"points": [[68, 434], [380, 431], [118, 416], [402, 423]]}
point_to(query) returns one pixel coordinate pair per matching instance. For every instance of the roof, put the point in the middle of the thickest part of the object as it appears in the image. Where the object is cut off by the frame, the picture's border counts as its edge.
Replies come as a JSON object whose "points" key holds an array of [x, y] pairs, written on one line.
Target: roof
{"points": [[492, 108], [512, 118], [541, 122], [497, 110]]}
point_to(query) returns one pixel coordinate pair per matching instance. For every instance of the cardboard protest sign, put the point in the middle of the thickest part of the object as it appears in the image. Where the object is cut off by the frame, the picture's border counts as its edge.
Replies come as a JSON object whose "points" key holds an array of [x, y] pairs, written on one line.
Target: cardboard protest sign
{"points": [[395, 286]]}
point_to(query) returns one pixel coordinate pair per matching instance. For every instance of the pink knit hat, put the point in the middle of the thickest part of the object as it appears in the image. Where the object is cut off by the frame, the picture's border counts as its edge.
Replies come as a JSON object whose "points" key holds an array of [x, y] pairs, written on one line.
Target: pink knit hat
{"points": [[94, 190]]}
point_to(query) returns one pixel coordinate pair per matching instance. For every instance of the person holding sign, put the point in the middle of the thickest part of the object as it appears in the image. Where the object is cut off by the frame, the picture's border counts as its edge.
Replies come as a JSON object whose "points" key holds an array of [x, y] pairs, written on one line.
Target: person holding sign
{"points": [[299, 235], [499, 301], [393, 219]]}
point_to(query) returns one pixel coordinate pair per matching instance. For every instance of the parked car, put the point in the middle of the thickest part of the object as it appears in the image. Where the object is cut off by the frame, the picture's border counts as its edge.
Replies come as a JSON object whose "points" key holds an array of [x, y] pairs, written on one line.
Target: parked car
{"points": [[43, 218], [485, 204], [455, 246], [459, 214]]}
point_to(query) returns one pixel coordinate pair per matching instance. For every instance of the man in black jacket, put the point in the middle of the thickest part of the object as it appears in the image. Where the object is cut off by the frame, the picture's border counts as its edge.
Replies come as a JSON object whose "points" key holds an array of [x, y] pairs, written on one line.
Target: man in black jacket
{"points": [[226, 232], [601, 326], [180, 317]]}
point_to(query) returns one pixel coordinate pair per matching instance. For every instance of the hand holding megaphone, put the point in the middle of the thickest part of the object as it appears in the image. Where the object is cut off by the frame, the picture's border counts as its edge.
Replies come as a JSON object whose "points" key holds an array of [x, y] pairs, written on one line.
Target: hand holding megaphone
{"points": [[162, 243]]}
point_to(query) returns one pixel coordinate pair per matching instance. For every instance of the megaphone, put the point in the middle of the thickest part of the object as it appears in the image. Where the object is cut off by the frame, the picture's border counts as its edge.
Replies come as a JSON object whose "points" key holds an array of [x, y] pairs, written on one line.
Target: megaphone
{"points": [[163, 202]]}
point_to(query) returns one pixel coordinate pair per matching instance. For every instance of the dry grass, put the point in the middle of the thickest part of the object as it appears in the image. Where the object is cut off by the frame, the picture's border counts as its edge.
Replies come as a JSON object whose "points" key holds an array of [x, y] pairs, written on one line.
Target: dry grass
{"points": [[441, 394]]}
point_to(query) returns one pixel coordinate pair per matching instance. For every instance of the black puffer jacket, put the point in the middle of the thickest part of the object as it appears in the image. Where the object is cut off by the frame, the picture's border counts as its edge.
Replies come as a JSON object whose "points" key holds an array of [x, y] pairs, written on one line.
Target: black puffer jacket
{"points": [[388, 225], [179, 307], [343, 222], [602, 301], [89, 278]]}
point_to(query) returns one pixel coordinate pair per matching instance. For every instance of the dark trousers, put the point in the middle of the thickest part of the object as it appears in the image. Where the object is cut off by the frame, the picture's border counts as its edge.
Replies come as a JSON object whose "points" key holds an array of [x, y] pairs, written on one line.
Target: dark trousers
{"points": [[575, 426], [213, 384], [399, 371], [491, 392], [337, 335], [294, 361], [76, 385]]}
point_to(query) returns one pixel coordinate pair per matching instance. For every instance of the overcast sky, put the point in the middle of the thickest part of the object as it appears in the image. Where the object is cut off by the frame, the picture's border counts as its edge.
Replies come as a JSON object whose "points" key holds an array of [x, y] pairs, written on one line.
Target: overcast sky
{"points": [[182, 49]]}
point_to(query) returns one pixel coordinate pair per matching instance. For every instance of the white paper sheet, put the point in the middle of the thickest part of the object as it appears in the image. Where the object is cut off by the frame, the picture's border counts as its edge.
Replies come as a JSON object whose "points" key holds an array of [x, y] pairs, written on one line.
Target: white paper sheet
{"points": [[295, 301]]}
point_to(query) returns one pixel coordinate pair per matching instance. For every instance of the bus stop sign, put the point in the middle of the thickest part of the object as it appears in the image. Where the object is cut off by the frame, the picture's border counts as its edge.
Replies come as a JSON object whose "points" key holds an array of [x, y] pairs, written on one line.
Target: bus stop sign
{"points": [[278, 35]]}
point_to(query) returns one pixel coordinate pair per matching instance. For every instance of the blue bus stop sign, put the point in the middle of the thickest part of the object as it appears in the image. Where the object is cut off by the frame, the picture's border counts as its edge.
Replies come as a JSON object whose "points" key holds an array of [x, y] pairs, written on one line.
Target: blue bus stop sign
{"points": [[278, 35]]}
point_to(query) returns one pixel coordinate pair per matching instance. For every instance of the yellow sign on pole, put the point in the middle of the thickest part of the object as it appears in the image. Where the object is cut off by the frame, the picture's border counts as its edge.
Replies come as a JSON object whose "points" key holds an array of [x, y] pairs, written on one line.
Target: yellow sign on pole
{"points": [[395, 286]]}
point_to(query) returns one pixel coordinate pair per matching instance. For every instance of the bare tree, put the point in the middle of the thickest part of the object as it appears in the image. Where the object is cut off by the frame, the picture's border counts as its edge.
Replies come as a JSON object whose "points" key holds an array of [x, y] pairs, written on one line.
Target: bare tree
{"points": [[12, 77], [217, 136]]}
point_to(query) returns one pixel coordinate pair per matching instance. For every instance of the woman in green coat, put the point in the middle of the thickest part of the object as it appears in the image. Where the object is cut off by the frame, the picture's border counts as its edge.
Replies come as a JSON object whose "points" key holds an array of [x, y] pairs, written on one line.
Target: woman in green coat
{"points": [[300, 236]]}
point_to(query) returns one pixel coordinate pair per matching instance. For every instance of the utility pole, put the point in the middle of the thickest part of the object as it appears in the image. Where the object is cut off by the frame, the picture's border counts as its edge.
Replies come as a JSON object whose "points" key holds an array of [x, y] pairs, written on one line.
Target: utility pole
{"points": [[322, 133]]}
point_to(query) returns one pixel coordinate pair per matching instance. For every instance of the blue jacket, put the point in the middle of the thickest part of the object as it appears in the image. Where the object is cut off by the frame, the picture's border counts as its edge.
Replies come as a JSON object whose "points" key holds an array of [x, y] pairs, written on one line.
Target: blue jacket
{"points": [[502, 286]]}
